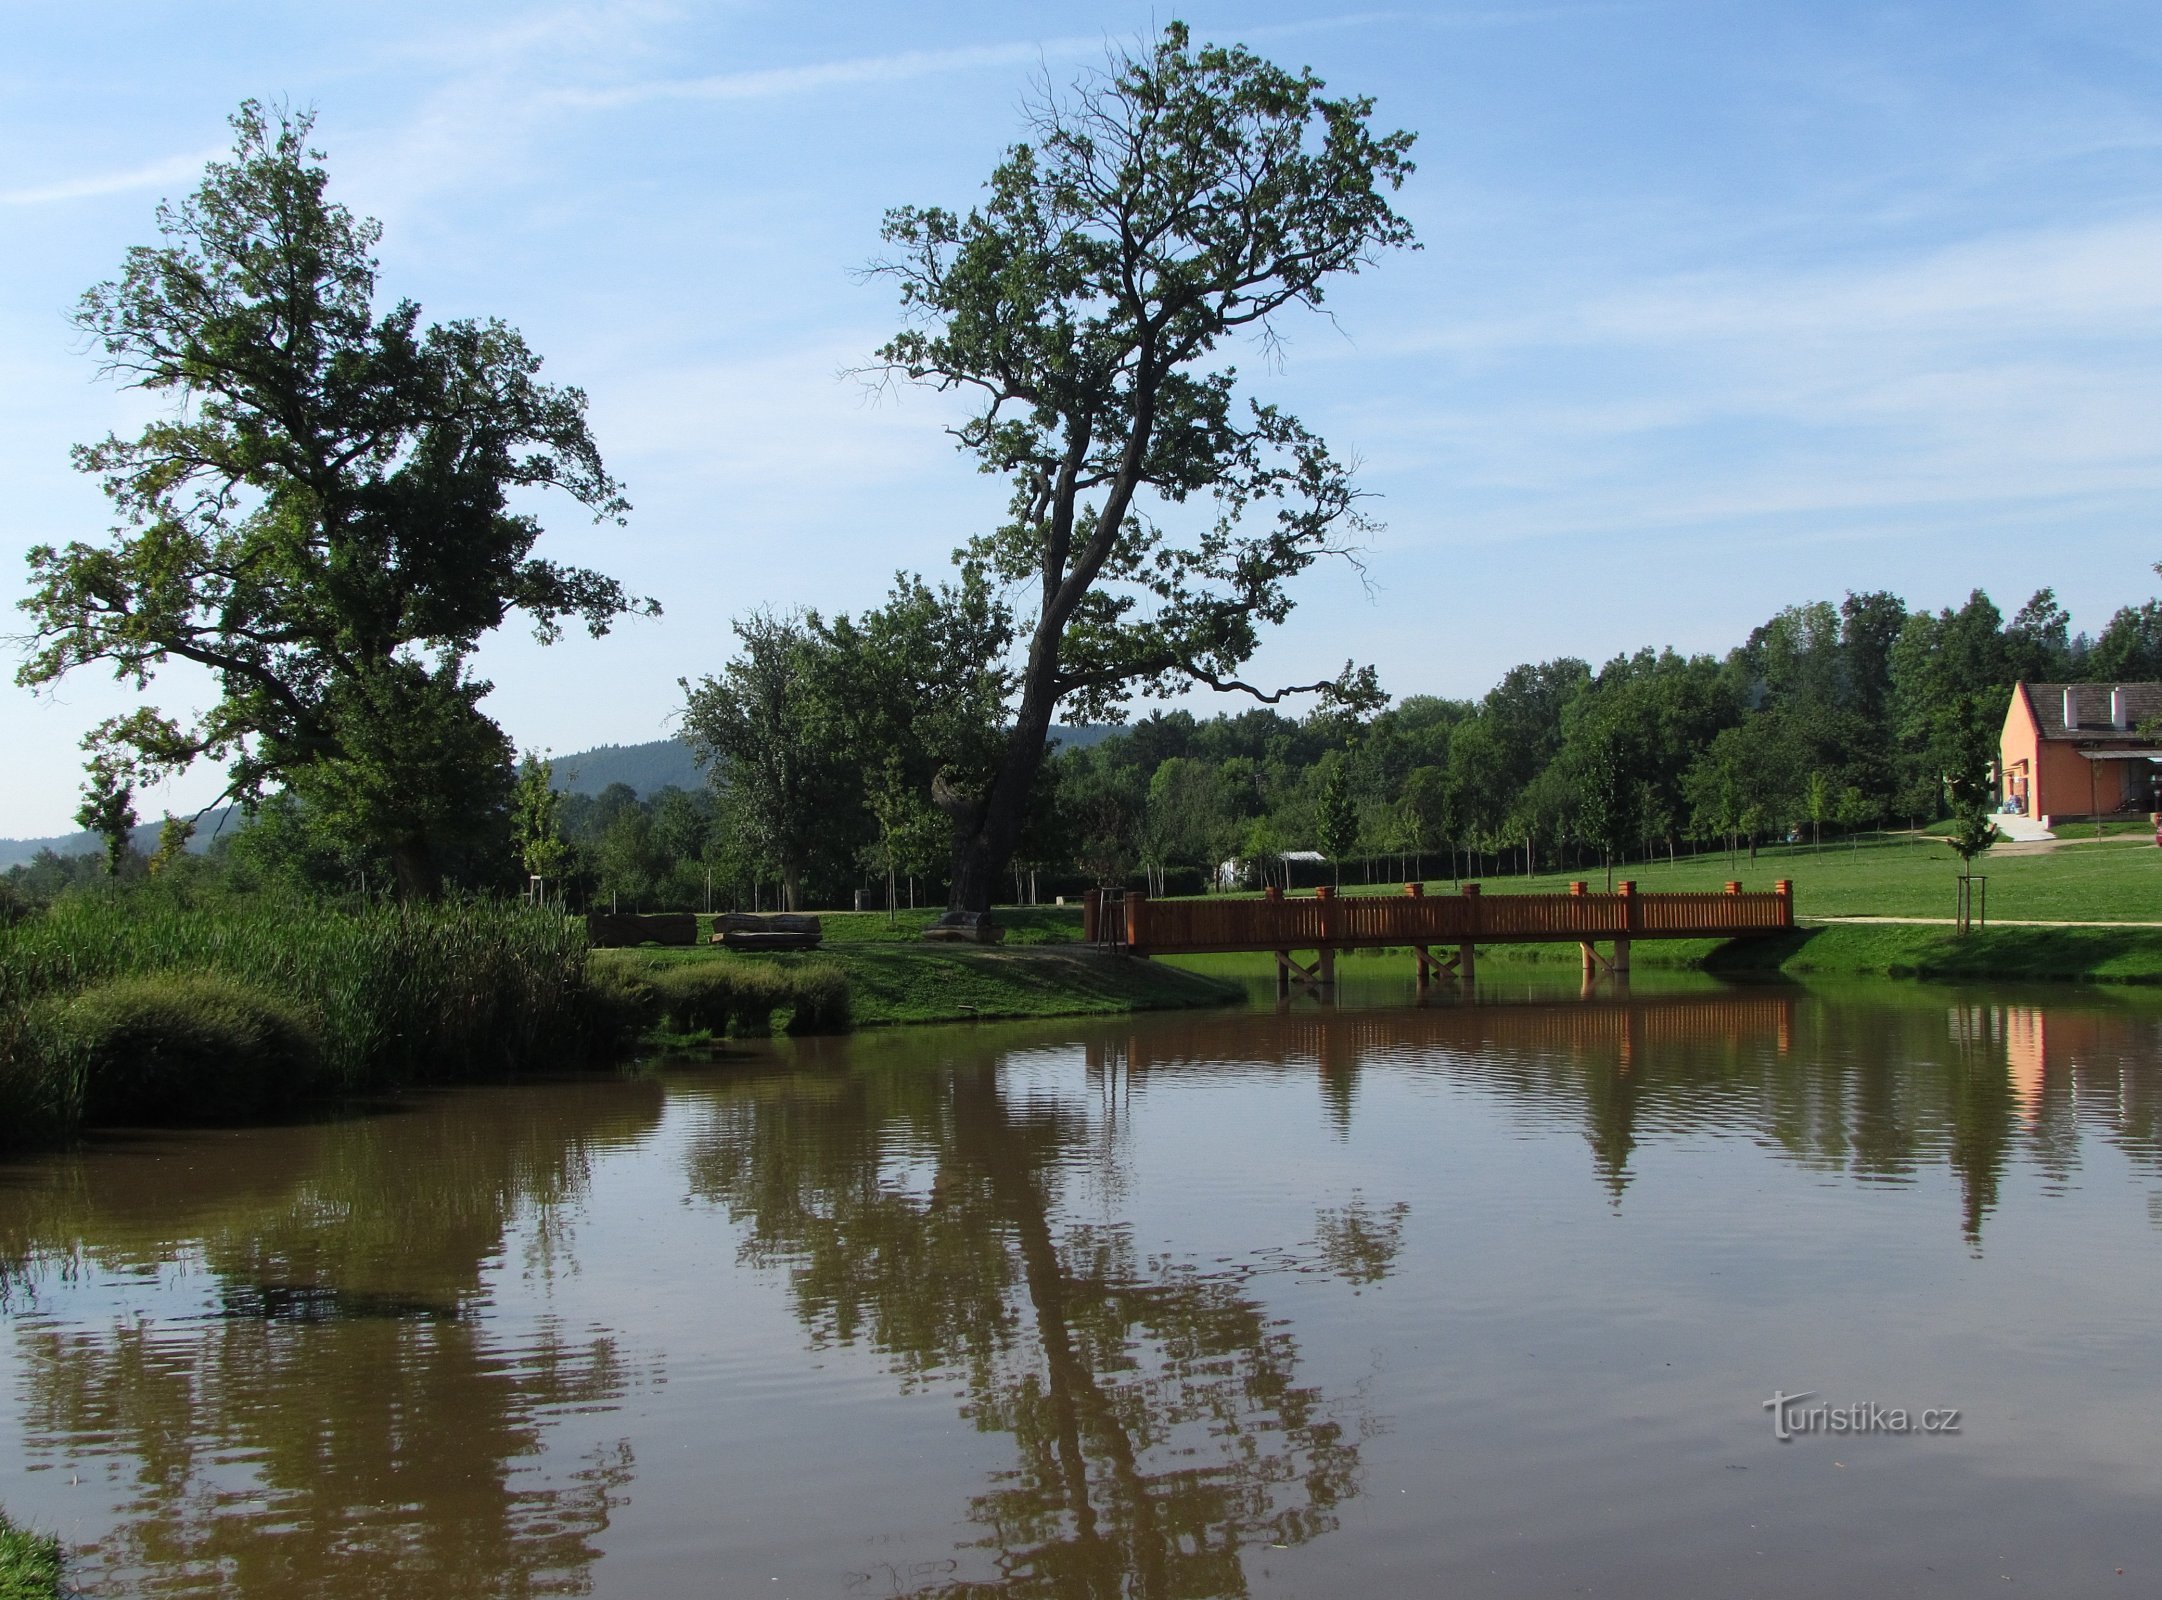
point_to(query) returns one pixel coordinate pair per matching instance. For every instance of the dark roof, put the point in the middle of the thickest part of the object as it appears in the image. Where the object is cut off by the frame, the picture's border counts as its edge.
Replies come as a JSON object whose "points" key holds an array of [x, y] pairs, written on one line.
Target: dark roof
{"points": [[2094, 723]]}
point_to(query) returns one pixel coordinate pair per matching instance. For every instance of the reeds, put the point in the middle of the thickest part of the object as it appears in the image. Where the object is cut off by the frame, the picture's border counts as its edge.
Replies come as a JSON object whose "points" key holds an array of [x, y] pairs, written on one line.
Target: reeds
{"points": [[392, 995]]}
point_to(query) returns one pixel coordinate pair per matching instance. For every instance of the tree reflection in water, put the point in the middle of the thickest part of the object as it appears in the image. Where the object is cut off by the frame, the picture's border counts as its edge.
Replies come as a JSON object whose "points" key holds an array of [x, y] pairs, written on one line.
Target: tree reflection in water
{"points": [[1876, 1091], [1155, 1409], [333, 1416]]}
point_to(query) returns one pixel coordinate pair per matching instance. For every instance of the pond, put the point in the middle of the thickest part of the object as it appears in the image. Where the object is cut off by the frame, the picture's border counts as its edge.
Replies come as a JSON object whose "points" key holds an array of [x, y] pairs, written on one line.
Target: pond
{"points": [[1369, 1299]]}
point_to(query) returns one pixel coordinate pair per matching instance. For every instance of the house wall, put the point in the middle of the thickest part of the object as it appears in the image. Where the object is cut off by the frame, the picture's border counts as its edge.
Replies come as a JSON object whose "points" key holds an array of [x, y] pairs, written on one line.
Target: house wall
{"points": [[2064, 783], [2016, 751]]}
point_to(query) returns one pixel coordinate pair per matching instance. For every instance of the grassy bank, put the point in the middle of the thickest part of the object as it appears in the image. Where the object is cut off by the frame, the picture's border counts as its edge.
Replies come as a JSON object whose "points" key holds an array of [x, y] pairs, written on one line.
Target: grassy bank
{"points": [[117, 1009], [2110, 880], [1889, 950], [29, 1564], [2055, 955], [1024, 925], [893, 981]]}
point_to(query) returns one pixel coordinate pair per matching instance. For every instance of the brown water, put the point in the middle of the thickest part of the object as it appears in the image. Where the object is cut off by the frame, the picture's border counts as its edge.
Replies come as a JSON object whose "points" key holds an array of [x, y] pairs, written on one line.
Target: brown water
{"points": [[1361, 1302]]}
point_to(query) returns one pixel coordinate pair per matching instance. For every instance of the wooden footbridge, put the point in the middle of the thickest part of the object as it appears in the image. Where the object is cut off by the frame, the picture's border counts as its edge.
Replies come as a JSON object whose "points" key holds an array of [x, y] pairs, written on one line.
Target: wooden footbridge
{"points": [[1442, 931]]}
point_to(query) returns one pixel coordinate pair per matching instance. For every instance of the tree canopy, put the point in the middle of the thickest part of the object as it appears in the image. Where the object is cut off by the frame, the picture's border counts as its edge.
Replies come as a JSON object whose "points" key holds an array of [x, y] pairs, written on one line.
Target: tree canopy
{"points": [[323, 519], [1178, 198]]}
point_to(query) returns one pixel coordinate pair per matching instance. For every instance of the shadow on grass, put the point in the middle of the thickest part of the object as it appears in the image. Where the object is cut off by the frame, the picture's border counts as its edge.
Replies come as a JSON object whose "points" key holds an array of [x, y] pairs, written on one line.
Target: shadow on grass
{"points": [[2060, 955]]}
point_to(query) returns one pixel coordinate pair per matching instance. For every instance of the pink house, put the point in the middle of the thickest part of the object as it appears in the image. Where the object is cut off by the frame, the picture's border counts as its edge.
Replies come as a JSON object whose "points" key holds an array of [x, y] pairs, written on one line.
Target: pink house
{"points": [[2075, 750]]}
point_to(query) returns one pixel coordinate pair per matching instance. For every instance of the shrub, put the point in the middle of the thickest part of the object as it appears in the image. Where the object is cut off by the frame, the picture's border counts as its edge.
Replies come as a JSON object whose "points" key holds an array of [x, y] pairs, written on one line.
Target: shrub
{"points": [[174, 1047], [621, 1003], [725, 995]]}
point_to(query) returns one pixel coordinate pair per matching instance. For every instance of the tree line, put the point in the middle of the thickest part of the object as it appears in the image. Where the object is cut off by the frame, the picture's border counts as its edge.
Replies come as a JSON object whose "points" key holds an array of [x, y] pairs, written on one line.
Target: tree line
{"points": [[1829, 720]]}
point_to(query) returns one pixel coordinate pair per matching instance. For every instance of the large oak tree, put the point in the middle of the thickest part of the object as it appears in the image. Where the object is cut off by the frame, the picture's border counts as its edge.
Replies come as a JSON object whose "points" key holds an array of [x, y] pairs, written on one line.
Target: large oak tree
{"points": [[323, 520], [1181, 198]]}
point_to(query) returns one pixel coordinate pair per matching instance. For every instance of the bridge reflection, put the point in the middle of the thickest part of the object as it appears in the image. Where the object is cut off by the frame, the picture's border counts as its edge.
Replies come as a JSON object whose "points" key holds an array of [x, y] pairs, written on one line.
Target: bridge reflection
{"points": [[1879, 1092]]}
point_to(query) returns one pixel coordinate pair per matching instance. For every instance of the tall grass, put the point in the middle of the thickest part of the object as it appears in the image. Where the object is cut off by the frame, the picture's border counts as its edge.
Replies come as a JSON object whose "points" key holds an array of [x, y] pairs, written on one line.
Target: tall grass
{"points": [[722, 995], [29, 1563], [392, 995]]}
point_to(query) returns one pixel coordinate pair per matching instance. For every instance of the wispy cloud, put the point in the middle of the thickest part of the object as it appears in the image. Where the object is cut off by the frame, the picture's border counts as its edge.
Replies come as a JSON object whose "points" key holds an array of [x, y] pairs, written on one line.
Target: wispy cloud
{"points": [[171, 170], [772, 82]]}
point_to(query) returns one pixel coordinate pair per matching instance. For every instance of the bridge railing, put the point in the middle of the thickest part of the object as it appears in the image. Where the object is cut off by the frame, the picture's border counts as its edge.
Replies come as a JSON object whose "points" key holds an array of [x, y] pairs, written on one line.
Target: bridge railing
{"points": [[1331, 921]]}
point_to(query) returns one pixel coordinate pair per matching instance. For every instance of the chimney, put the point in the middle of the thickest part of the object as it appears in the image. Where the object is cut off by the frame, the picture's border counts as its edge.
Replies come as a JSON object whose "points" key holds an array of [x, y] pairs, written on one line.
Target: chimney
{"points": [[2071, 705], [2120, 708]]}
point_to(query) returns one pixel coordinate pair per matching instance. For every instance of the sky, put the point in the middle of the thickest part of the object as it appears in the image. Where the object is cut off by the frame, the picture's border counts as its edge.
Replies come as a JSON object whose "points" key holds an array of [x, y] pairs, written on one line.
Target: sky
{"points": [[1722, 305]]}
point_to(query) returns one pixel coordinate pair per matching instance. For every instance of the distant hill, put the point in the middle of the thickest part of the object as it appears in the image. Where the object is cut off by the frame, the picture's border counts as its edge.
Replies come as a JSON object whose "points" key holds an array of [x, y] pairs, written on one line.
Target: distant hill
{"points": [[19, 852], [648, 768]]}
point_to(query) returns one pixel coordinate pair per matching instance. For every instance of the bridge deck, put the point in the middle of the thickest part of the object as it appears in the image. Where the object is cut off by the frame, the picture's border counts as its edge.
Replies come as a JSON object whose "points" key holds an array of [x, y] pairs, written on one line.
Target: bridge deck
{"points": [[1329, 922]]}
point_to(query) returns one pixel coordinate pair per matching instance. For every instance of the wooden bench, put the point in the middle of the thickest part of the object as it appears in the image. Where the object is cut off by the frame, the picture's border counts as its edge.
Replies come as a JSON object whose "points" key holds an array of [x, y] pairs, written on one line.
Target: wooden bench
{"points": [[783, 930]]}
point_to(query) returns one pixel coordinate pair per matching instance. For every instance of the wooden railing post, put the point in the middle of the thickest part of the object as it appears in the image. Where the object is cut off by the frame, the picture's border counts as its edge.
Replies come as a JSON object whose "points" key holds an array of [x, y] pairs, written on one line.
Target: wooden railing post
{"points": [[1628, 891], [1137, 920], [1733, 887], [1785, 890], [1417, 891], [1091, 910], [1467, 952], [1325, 961]]}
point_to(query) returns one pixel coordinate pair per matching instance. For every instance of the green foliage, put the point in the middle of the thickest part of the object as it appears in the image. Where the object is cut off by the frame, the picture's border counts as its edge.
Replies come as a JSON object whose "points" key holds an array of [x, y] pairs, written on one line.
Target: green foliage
{"points": [[29, 1564], [167, 1048], [1336, 812], [771, 735], [323, 521], [537, 820], [108, 810], [395, 995], [723, 994], [1183, 197], [1967, 739]]}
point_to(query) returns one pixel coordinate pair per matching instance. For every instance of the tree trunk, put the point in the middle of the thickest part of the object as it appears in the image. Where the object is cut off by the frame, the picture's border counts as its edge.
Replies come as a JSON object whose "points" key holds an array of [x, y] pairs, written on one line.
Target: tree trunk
{"points": [[791, 888], [420, 877], [987, 826]]}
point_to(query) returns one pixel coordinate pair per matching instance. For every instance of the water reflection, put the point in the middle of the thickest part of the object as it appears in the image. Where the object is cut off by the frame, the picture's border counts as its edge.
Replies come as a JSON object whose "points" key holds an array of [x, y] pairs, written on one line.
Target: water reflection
{"points": [[1155, 1411], [346, 1360], [1874, 1090], [338, 1414]]}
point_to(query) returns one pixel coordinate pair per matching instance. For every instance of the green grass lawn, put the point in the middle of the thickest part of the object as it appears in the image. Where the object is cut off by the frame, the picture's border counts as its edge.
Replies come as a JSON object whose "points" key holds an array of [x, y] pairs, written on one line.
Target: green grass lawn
{"points": [[2093, 955], [29, 1564], [1023, 925], [911, 981], [2110, 881], [895, 976], [2139, 828]]}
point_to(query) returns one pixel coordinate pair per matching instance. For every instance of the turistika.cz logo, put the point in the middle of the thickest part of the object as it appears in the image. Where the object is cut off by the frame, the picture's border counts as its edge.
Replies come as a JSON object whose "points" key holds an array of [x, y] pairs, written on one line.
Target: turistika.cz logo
{"points": [[1791, 1419]]}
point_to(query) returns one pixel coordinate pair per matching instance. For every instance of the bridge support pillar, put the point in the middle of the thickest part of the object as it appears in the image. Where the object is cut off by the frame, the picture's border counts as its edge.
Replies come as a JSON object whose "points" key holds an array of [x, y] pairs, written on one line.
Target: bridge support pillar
{"points": [[1289, 971]]}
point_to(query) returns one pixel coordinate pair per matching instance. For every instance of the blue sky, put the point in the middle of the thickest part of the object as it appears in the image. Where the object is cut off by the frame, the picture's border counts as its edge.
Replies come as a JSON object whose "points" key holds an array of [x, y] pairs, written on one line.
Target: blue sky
{"points": [[1722, 305]]}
